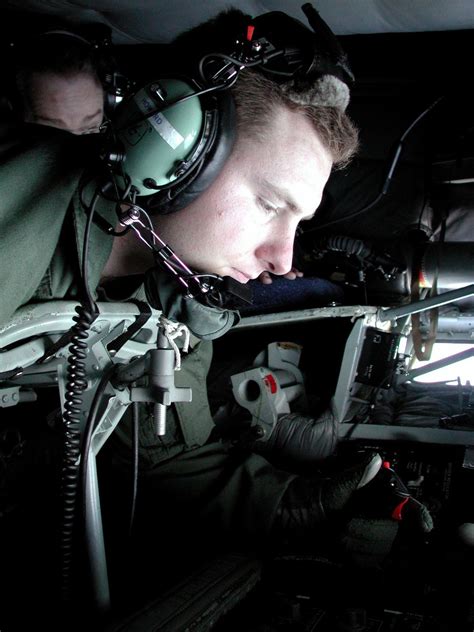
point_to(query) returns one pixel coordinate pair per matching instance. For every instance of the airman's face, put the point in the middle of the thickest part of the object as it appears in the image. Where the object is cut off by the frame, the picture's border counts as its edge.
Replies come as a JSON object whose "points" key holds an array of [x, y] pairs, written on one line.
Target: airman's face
{"points": [[74, 103], [246, 221]]}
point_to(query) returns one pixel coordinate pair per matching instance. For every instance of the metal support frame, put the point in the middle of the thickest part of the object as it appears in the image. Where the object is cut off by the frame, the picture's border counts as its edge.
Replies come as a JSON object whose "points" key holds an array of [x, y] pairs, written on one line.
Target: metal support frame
{"points": [[443, 436], [393, 313], [42, 325], [349, 395], [347, 385]]}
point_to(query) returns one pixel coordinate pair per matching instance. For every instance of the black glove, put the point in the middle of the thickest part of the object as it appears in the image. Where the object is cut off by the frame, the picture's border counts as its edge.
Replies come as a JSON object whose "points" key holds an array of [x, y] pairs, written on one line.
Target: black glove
{"points": [[387, 496], [299, 440]]}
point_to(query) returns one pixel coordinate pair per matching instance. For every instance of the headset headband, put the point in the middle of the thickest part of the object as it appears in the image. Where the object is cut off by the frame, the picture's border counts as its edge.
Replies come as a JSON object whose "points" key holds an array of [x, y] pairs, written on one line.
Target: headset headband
{"points": [[170, 164]]}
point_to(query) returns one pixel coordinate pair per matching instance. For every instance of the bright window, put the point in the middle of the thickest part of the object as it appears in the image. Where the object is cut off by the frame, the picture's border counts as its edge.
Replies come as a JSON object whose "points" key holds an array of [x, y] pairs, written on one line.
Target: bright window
{"points": [[463, 369]]}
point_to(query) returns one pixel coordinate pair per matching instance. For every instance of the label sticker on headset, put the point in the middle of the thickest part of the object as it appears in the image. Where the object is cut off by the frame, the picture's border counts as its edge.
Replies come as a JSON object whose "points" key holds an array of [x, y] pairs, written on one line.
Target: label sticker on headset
{"points": [[161, 124]]}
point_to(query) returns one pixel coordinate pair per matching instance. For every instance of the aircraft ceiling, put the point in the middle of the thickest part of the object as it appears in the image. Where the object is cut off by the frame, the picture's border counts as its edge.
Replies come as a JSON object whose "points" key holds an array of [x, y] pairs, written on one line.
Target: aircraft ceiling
{"points": [[158, 21]]}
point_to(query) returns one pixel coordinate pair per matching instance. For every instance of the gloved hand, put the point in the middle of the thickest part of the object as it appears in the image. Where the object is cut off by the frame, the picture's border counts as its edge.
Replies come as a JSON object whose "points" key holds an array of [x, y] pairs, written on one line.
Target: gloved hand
{"points": [[387, 496], [299, 440]]}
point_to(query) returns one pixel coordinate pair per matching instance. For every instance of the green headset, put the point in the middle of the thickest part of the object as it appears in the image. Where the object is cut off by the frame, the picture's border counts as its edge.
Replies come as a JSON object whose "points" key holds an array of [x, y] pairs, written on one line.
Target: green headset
{"points": [[173, 135], [174, 141]]}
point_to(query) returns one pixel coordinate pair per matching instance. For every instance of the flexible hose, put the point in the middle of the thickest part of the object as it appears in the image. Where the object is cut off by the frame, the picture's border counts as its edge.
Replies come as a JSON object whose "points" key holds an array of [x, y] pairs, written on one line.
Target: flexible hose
{"points": [[348, 245]]}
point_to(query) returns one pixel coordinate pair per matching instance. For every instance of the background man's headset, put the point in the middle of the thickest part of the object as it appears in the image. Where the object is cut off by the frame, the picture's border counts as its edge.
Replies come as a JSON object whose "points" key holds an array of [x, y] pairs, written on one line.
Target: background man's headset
{"points": [[169, 140], [60, 45]]}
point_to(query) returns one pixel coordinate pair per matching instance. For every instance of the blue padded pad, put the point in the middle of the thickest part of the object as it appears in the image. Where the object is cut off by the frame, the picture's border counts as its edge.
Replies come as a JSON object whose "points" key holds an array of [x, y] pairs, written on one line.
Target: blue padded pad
{"points": [[284, 295]]}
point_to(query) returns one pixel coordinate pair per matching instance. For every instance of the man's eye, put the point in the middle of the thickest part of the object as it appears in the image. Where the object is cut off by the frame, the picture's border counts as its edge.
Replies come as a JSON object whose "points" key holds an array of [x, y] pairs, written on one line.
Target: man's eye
{"points": [[268, 207]]}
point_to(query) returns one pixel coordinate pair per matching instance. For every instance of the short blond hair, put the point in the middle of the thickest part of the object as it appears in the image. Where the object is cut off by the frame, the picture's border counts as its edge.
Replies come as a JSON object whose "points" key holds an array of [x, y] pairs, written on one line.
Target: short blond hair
{"points": [[257, 97]]}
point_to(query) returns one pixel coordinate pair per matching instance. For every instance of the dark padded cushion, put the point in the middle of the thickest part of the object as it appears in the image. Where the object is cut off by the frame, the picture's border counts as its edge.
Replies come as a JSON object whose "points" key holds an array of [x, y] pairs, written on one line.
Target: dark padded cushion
{"points": [[285, 295], [186, 192]]}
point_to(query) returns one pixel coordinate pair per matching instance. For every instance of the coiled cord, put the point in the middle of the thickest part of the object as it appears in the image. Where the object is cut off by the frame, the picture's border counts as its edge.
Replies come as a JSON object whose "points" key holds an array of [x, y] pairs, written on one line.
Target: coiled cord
{"points": [[76, 383]]}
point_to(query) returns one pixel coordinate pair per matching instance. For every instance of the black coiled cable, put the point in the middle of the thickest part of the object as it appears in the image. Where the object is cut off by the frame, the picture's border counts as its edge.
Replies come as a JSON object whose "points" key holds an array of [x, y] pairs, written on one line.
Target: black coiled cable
{"points": [[76, 384]]}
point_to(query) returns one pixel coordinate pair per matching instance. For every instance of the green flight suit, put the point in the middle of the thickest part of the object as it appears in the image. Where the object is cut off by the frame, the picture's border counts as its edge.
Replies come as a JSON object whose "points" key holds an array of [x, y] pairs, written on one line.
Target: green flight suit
{"points": [[40, 252]]}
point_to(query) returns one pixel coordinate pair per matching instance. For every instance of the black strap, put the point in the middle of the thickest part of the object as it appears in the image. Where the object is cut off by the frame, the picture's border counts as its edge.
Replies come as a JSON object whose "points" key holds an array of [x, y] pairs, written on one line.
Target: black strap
{"points": [[59, 344], [114, 345], [142, 318]]}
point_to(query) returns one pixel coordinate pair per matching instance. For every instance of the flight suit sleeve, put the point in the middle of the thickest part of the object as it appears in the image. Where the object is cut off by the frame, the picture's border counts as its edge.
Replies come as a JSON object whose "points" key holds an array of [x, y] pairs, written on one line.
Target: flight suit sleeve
{"points": [[39, 171]]}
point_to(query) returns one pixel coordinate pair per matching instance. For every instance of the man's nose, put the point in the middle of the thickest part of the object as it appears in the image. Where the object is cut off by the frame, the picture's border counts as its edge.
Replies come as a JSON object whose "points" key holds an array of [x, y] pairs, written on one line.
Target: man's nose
{"points": [[277, 253]]}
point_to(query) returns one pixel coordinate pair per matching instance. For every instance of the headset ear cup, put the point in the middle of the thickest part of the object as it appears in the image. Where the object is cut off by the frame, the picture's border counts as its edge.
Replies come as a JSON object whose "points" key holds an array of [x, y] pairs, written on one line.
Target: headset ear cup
{"points": [[116, 88], [180, 196]]}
